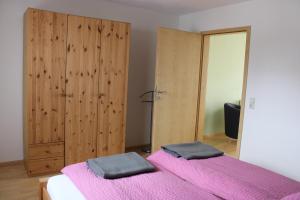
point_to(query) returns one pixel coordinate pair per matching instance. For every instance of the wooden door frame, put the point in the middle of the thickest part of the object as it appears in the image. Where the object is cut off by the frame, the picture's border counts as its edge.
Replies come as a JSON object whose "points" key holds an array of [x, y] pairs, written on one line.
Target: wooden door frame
{"points": [[203, 82]]}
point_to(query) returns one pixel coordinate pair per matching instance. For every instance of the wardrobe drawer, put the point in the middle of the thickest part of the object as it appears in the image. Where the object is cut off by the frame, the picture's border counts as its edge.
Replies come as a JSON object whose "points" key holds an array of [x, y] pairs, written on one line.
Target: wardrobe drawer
{"points": [[45, 166], [46, 150]]}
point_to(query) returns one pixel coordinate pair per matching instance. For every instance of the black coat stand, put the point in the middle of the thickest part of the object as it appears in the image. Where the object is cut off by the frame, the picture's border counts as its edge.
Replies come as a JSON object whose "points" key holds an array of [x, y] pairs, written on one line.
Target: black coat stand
{"points": [[142, 96]]}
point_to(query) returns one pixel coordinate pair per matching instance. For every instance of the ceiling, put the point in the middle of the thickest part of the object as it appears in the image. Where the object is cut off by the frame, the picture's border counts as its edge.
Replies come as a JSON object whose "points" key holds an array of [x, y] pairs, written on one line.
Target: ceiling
{"points": [[177, 7]]}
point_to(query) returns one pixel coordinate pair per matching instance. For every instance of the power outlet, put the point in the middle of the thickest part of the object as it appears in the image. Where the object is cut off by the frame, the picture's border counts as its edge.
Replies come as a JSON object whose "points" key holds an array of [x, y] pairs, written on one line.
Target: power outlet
{"points": [[252, 103]]}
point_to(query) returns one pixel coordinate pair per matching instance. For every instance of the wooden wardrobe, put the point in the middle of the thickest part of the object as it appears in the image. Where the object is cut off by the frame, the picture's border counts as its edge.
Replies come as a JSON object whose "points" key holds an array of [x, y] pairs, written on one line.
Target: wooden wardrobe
{"points": [[75, 89]]}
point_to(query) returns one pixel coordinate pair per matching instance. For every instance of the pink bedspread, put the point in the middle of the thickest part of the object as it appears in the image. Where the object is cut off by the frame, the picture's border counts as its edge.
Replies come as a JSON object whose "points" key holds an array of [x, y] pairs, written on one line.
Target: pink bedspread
{"points": [[160, 185], [228, 178], [295, 196]]}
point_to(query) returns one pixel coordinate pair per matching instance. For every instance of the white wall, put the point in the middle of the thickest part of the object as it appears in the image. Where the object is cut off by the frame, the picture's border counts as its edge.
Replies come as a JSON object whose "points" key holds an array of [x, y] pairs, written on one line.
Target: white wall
{"points": [[141, 69], [271, 135]]}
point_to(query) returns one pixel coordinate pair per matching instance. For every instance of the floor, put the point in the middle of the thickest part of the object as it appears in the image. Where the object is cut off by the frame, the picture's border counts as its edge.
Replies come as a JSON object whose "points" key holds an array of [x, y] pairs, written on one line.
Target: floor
{"points": [[15, 184], [223, 143]]}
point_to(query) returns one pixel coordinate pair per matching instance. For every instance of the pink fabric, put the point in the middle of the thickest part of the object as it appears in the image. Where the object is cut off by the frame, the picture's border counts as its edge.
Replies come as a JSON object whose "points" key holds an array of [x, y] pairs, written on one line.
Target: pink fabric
{"points": [[160, 185], [228, 178], [295, 196]]}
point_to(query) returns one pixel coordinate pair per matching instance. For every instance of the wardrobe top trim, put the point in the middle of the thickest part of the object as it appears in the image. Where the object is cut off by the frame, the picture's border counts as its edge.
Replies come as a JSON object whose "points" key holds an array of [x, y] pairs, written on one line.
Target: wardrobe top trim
{"points": [[74, 15]]}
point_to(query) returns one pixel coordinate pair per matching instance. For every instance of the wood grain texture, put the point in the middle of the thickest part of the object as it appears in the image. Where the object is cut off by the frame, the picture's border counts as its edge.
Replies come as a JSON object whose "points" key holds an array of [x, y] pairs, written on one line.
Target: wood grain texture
{"points": [[177, 73], [202, 92], [16, 185], [112, 99], [44, 76], [75, 88], [49, 150], [27, 125], [19, 189], [83, 53], [44, 80], [223, 143], [43, 193], [243, 100], [45, 166]]}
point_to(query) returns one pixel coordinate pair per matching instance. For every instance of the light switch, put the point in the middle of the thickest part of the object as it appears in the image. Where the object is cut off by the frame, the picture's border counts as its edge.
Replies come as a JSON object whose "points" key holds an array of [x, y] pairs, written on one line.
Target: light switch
{"points": [[252, 103]]}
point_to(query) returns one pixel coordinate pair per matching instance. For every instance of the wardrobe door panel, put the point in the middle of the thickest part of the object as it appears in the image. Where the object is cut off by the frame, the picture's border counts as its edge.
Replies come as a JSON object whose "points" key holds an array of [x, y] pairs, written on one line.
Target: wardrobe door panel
{"points": [[83, 54], [44, 82], [112, 100]]}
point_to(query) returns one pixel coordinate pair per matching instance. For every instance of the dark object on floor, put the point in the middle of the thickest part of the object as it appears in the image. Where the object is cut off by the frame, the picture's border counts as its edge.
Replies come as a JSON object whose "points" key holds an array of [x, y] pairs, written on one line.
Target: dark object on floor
{"points": [[232, 120], [120, 165], [194, 150]]}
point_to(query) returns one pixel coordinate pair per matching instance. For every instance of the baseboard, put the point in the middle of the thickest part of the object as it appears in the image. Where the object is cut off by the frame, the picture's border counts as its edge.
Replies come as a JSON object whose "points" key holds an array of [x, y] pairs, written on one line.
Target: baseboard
{"points": [[11, 163]]}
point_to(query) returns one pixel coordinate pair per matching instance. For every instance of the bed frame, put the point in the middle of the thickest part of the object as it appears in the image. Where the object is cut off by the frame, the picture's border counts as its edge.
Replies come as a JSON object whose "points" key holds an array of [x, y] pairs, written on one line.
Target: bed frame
{"points": [[43, 193]]}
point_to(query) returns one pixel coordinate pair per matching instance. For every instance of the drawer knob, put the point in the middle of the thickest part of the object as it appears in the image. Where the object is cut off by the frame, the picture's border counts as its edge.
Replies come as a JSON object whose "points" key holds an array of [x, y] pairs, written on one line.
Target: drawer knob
{"points": [[47, 166], [47, 151]]}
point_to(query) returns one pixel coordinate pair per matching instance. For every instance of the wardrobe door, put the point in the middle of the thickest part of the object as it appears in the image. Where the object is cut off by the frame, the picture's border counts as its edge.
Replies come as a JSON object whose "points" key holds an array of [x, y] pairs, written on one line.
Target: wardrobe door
{"points": [[83, 53], [44, 83], [112, 100], [44, 76]]}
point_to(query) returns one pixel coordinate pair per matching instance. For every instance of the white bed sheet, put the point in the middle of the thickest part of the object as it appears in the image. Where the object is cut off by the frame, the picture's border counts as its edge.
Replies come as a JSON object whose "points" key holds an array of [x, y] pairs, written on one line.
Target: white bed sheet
{"points": [[60, 187]]}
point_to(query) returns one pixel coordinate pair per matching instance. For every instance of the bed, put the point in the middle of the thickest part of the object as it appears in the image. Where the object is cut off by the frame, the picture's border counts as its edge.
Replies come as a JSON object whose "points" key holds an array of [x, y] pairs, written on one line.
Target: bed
{"points": [[78, 183], [175, 179], [61, 187], [229, 178]]}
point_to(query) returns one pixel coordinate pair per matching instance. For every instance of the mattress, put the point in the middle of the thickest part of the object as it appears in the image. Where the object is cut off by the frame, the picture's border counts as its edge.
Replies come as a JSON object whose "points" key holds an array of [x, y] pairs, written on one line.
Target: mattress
{"points": [[60, 187]]}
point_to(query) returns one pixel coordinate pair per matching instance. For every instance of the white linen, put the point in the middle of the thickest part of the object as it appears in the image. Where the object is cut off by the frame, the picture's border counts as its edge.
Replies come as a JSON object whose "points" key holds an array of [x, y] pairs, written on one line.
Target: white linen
{"points": [[60, 187]]}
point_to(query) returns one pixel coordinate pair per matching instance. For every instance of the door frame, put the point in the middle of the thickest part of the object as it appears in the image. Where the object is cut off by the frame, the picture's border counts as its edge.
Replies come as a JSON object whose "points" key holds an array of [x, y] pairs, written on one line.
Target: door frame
{"points": [[203, 83]]}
